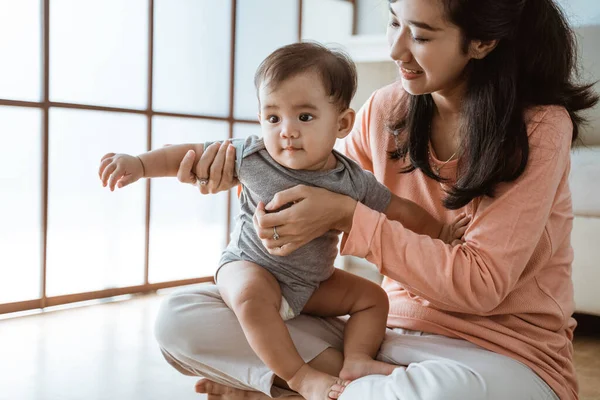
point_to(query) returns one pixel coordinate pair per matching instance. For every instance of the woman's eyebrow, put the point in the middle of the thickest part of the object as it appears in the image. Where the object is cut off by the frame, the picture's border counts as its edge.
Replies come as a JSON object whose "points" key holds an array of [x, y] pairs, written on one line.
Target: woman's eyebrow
{"points": [[418, 24]]}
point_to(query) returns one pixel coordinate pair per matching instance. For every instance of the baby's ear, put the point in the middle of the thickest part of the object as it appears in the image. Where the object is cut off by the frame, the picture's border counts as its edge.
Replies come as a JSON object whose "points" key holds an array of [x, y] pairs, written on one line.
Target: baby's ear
{"points": [[345, 123]]}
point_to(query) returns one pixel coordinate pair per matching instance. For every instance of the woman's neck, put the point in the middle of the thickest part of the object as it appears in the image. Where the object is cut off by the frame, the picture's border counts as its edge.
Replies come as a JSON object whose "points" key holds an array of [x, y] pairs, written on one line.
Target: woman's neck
{"points": [[445, 127]]}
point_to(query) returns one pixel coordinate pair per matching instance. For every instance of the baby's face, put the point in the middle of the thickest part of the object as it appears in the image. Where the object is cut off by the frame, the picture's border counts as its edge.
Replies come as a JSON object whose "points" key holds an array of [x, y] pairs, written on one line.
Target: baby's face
{"points": [[299, 123]]}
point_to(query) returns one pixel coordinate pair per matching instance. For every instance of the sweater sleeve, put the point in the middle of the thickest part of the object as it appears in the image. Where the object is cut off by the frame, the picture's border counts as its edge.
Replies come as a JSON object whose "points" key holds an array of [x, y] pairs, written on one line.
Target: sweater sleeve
{"points": [[475, 277]]}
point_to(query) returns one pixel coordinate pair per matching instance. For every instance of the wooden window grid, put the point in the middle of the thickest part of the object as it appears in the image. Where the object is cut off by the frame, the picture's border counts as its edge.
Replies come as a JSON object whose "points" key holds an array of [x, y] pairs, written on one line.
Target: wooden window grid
{"points": [[45, 105]]}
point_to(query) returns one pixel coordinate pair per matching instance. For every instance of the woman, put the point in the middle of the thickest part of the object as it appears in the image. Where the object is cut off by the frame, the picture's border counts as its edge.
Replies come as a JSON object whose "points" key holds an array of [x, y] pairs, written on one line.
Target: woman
{"points": [[481, 122]]}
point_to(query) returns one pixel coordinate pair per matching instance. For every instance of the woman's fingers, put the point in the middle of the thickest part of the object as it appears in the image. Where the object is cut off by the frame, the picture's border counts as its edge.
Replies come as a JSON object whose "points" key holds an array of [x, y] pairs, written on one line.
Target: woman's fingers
{"points": [[216, 168], [283, 245], [266, 232], [184, 173], [228, 179], [284, 197], [204, 165], [284, 250]]}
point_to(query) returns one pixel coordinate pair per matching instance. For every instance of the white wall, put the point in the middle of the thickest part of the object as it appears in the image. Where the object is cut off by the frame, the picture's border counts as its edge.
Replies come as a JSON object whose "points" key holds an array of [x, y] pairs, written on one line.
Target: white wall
{"points": [[582, 12], [373, 12]]}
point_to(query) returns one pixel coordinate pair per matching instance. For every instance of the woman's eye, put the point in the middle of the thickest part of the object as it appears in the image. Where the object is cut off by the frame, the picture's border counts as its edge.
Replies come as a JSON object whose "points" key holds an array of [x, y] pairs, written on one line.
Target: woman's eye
{"points": [[393, 24], [305, 117], [273, 119], [420, 40]]}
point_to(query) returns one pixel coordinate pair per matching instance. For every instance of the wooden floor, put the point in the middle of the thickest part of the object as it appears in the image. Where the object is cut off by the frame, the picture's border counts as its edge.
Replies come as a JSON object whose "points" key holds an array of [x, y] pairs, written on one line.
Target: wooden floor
{"points": [[108, 352]]}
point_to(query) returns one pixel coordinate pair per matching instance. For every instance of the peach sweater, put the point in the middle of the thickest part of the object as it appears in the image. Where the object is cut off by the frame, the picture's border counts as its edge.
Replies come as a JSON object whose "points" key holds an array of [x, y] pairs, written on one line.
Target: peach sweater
{"points": [[508, 288]]}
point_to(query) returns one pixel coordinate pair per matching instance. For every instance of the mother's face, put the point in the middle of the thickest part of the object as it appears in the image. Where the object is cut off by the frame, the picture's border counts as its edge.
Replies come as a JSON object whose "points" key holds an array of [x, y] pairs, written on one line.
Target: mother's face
{"points": [[426, 47]]}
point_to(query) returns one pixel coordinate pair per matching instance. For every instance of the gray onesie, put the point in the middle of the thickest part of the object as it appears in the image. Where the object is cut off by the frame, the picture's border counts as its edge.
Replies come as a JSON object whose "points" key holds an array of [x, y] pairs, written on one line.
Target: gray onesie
{"points": [[299, 273]]}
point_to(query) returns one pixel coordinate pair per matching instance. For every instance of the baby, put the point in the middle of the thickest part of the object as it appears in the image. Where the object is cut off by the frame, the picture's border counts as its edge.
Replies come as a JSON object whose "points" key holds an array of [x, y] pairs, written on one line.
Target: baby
{"points": [[304, 92]]}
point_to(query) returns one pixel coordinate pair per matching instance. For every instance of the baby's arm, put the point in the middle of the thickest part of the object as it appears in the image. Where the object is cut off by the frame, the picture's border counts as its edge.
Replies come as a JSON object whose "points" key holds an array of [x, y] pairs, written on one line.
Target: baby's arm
{"points": [[124, 169], [165, 161], [415, 218]]}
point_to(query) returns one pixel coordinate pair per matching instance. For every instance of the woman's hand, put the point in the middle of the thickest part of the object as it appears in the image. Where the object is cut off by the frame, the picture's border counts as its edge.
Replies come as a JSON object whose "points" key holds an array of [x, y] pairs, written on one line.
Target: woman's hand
{"points": [[213, 172], [313, 212]]}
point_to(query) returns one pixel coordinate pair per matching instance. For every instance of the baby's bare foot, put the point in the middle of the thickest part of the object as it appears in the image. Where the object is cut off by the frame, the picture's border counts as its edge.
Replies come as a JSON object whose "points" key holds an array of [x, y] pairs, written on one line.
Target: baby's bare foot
{"points": [[316, 385], [217, 391], [358, 366]]}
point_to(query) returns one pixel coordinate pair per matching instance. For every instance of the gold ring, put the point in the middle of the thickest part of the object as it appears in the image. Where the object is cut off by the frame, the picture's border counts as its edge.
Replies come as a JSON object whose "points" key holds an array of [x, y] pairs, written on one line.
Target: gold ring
{"points": [[275, 234]]}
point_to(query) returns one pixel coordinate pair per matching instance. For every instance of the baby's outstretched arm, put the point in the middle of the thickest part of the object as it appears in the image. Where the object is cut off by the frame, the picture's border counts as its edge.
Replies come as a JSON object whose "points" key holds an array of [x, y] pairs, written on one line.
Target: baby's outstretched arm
{"points": [[120, 170], [417, 219]]}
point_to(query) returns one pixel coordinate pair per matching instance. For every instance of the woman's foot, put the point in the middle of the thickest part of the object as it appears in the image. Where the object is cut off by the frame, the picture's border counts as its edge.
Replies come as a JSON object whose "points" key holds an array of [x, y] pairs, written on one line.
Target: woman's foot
{"points": [[358, 366], [216, 391], [316, 385]]}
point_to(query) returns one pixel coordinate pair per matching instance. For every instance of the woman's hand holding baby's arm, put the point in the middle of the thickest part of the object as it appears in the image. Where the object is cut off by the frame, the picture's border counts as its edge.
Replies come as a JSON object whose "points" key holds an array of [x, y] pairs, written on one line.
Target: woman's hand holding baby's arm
{"points": [[314, 212], [216, 165]]}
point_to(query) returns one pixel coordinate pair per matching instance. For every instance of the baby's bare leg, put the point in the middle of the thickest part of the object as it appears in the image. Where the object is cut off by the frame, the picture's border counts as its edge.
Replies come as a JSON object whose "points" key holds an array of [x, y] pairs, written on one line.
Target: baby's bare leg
{"points": [[367, 303], [255, 297]]}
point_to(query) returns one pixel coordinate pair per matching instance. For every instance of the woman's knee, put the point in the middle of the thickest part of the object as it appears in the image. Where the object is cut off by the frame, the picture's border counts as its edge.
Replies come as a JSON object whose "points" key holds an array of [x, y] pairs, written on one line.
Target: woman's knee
{"points": [[427, 380], [186, 314]]}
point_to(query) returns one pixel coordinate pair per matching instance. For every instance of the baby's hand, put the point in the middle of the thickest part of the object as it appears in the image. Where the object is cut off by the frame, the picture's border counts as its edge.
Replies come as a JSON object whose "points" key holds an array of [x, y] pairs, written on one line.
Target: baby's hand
{"points": [[453, 232], [120, 170]]}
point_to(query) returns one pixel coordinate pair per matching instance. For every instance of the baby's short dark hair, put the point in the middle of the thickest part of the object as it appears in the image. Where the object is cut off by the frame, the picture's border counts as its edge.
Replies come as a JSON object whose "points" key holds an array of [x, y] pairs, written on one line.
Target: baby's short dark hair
{"points": [[337, 71]]}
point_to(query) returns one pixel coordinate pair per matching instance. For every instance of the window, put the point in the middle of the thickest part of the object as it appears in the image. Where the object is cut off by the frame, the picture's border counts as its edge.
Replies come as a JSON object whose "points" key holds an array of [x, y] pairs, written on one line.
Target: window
{"points": [[81, 78]]}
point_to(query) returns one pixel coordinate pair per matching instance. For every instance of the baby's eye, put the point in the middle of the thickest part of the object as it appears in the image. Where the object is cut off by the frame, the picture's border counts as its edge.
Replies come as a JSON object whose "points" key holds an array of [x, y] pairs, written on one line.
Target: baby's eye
{"points": [[273, 119], [305, 117]]}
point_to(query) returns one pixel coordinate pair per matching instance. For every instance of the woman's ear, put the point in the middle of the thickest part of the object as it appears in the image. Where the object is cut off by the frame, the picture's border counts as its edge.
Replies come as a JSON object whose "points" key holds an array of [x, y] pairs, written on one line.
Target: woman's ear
{"points": [[480, 49], [345, 123]]}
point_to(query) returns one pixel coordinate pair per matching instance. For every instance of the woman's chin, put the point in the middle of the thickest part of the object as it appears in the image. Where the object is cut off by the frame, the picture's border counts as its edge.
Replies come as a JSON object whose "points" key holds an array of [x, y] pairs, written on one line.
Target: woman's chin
{"points": [[412, 88]]}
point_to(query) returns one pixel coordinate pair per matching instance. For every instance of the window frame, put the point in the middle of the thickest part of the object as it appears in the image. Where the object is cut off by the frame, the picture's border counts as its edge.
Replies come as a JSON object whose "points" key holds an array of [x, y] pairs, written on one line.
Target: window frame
{"points": [[45, 105]]}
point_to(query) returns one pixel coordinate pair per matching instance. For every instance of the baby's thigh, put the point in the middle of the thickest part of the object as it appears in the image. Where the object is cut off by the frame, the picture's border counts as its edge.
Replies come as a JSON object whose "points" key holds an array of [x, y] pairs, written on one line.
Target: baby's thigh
{"points": [[345, 293], [242, 281]]}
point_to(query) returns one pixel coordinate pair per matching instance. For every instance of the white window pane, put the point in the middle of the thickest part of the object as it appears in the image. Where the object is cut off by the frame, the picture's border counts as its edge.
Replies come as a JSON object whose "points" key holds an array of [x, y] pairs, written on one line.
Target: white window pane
{"points": [[187, 229], [262, 27], [20, 46], [327, 21], [99, 52], [240, 131], [95, 236], [192, 55], [20, 203]]}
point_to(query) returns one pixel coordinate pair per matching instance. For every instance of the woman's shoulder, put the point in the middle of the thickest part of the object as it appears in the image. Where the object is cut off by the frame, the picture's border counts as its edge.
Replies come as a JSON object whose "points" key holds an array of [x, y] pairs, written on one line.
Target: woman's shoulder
{"points": [[387, 97], [550, 122]]}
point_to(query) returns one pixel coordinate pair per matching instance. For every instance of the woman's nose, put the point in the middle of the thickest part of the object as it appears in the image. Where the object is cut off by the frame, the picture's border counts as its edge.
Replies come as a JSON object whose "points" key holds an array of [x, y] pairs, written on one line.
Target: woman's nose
{"points": [[399, 50]]}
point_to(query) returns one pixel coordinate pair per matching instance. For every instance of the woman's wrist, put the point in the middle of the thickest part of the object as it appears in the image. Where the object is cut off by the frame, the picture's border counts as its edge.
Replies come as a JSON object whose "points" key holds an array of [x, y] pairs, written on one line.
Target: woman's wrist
{"points": [[346, 214]]}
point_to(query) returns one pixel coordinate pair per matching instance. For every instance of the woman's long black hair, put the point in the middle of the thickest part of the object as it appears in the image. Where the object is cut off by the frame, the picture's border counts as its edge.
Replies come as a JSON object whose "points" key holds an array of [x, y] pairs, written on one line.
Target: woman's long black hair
{"points": [[533, 64]]}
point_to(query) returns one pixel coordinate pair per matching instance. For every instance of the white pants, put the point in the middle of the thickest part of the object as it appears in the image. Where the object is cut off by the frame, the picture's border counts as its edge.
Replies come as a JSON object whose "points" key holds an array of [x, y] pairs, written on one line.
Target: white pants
{"points": [[199, 335]]}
